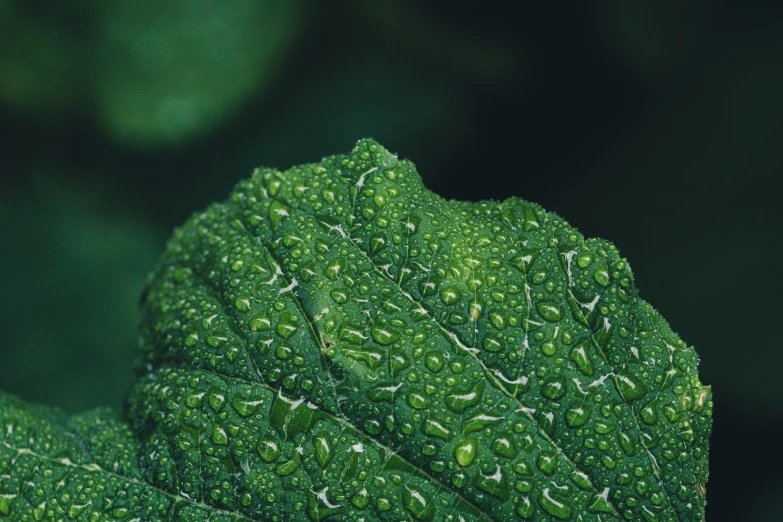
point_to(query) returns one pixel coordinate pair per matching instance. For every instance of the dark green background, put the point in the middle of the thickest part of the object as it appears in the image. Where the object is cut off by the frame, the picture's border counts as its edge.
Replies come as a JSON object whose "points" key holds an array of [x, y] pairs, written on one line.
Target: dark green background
{"points": [[655, 125]]}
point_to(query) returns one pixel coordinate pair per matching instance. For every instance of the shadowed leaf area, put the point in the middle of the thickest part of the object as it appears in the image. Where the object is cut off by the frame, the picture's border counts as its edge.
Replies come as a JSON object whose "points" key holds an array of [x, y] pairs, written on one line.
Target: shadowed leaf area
{"points": [[335, 342]]}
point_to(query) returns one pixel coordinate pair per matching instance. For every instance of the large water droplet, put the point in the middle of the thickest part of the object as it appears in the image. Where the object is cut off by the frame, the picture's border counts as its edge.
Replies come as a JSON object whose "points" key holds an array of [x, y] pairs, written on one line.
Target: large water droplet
{"points": [[554, 505], [547, 463], [578, 415], [459, 402], [449, 295], [554, 388], [630, 386], [550, 311], [417, 504], [323, 449], [419, 400], [580, 357], [495, 483], [334, 268], [504, 446], [5, 503], [384, 335], [465, 453], [246, 407]]}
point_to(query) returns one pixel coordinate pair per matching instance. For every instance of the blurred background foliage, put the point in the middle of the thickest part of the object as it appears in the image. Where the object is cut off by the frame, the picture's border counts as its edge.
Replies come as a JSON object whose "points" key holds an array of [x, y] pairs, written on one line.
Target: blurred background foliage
{"points": [[654, 125]]}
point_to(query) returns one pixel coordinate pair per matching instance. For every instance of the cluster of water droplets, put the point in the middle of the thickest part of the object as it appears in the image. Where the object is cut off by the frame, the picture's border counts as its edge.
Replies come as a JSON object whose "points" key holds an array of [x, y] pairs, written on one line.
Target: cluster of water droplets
{"points": [[337, 342]]}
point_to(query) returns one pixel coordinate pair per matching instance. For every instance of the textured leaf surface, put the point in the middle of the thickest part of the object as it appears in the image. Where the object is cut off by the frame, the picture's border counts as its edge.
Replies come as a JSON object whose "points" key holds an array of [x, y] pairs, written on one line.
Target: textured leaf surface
{"points": [[335, 342]]}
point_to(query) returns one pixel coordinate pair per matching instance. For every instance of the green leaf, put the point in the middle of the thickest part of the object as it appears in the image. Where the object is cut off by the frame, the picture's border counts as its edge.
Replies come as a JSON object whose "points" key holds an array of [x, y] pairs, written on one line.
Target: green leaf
{"points": [[338, 343]]}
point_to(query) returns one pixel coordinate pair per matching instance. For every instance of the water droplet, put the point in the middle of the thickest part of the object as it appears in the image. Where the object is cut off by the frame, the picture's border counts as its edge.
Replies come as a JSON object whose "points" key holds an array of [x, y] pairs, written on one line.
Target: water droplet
{"points": [[521, 467], [581, 479], [323, 449], [328, 195], [377, 242], [371, 357], [498, 295], [471, 262], [550, 311], [600, 505], [384, 335], [465, 453], [459, 479], [216, 400], [530, 221], [608, 461], [648, 415], [74, 510], [626, 443], [417, 504], [319, 507], [539, 276], [495, 483], [372, 426], [584, 259], [449, 295], [340, 296], [554, 388], [246, 407], [433, 361], [194, 400], [383, 392], [243, 303], [429, 285], [352, 335], [5, 503], [284, 351], [492, 343], [291, 417], [361, 499], [504, 446], [419, 400], [219, 436], [603, 427], [547, 463], [479, 422], [525, 507], [497, 319], [269, 450], [601, 274], [334, 268], [579, 356], [524, 261], [277, 212], [436, 428], [287, 326], [630, 387], [289, 467], [578, 415], [554, 505], [459, 402]]}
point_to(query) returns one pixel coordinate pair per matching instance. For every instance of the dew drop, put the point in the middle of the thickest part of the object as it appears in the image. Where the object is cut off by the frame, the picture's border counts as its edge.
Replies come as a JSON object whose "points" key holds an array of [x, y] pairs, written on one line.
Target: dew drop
{"points": [[419, 400], [417, 504], [465, 453]]}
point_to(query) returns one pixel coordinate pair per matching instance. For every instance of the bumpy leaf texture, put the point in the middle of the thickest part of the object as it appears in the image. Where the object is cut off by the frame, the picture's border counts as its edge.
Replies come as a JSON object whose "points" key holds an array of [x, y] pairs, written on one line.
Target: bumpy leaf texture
{"points": [[337, 343]]}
